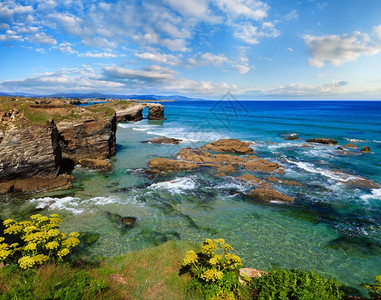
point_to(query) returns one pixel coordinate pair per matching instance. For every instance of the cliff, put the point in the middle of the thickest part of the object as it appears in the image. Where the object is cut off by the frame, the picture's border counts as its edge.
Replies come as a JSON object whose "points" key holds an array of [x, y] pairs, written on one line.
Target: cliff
{"points": [[40, 141]]}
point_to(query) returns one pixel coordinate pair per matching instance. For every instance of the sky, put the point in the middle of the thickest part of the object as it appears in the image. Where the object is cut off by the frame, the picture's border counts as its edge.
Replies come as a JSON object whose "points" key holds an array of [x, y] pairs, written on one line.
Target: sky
{"points": [[270, 49]]}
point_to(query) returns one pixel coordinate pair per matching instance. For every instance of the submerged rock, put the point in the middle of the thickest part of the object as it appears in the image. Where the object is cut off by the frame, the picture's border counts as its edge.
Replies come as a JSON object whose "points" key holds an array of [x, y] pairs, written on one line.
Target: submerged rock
{"points": [[351, 146], [269, 194], [287, 182], [121, 222], [365, 149], [163, 140], [323, 141], [250, 178], [355, 181], [229, 146], [291, 137]]}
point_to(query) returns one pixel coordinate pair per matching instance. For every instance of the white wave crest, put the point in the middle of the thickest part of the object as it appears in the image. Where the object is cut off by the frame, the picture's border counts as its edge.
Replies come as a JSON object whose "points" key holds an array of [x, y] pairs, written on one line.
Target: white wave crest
{"points": [[176, 186], [376, 194]]}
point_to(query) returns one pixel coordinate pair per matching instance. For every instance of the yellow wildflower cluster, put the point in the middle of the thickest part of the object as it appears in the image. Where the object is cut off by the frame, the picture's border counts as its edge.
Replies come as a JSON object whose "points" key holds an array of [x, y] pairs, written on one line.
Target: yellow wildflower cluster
{"points": [[233, 260], [208, 246], [43, 241], [213, 261], [212, 275], [190, 258]]}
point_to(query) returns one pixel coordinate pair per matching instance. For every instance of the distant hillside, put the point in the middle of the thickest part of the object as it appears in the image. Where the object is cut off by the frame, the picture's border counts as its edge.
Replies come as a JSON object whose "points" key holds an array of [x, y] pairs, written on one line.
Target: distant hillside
{"points": [[104, 96]]}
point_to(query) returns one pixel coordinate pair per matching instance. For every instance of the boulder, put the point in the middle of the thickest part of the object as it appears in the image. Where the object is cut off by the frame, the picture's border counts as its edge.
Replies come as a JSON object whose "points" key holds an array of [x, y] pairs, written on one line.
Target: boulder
{"points": [[251, 273], [355, 181], [250, 178], [263, 165], [229, 146], [95, 163], [365, 149], [165, 164], [291, 137], [323, 141], [156, 111], [163, 140], [269, 194], [340, 148], [351, 146], [287, 182]]}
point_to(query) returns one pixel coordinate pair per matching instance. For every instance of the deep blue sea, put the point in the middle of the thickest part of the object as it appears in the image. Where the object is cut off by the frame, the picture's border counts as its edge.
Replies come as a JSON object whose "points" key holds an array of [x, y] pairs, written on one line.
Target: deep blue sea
{"points": [[331, 227]]}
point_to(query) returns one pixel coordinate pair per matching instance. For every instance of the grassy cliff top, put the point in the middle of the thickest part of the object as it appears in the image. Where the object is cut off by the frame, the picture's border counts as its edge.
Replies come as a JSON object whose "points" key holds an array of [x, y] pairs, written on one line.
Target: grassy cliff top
{"points": [[121, 105], [23, 111]]}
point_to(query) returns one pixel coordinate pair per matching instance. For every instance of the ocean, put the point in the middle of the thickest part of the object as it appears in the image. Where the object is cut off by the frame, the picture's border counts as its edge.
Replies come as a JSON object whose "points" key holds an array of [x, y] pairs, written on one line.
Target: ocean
{"points": [[331, 227]]}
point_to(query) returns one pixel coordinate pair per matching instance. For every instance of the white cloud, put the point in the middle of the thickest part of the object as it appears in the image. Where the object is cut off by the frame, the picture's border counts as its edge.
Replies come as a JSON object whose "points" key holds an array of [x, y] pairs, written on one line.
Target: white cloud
{"points": [[9, 9], [42, 38], [151, 74], [251, 34], [65, 47], [175, 45], [243, 67], [161, 58], [10, 37], [251, 9], [198, 9], [292, 15], [337, 50], [290, 49], [214, 59], [97, 54]]}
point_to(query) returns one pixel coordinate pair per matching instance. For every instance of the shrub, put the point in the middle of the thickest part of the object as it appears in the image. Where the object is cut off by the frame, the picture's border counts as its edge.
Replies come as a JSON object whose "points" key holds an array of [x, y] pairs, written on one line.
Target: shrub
{"points": [[214, 270], [41, 241], [295, 284], [374, 290]]}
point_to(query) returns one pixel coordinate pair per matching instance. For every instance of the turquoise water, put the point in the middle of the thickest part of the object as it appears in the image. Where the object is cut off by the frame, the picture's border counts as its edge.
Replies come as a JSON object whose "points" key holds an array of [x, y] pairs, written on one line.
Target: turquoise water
{"points": [[331, 227]]}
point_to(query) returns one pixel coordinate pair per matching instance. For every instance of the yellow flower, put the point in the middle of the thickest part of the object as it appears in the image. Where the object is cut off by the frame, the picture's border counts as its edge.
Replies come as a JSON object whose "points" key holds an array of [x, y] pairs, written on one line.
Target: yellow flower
{"points": [[63, 253], [30, 246], [14, 245], [35, 237], [8, 222], [54, 216], [70, 242], [212, 275], [227, 247], [40, 258], [42, 219], [190, 258], [208, 246], [35, 217], [2, 239], [13, 229], [213, 261], [74, 234], [219, 241], [30, 229], [234, 260], [52, 245], [53, 232], [4, 254], [26, 262]]}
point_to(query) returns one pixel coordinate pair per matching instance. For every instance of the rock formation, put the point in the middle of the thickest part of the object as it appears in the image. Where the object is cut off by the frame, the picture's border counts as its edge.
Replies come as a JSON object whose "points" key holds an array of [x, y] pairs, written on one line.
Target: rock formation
{"points": [[163, 140], [229, 146], [156, 111], [365, 149], [323, 141]]}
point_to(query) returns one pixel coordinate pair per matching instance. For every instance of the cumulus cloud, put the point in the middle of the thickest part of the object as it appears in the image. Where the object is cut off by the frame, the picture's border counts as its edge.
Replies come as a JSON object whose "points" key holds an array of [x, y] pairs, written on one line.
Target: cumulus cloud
{"points": [[97, 54], [150, 74], [292, 15], [339, 49], [161, 58], [65, 47], [251, 9], [42, 38], [214, 59], [252, 34]]}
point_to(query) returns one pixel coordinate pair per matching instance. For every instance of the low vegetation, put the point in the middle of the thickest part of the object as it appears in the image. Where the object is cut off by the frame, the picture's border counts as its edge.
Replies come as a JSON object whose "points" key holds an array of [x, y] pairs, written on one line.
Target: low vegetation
{"points": [[35, 265]]}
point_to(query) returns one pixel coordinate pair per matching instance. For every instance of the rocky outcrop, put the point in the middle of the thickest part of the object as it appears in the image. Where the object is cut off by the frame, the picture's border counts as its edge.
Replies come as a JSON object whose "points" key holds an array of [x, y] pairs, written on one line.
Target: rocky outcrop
{"points": [[129, 112], [229, 146], [365, 149], [30, 157], [355, 181], [189, 159], [163, 140], [281, 181], [269, 194], [323, 141], [37, 139], [155, 111], [291, 137], [351, 146]]}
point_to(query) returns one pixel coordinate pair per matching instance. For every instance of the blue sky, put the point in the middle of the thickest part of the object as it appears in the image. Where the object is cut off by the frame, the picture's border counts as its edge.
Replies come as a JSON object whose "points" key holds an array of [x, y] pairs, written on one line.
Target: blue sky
{"points": [[270, 49]]}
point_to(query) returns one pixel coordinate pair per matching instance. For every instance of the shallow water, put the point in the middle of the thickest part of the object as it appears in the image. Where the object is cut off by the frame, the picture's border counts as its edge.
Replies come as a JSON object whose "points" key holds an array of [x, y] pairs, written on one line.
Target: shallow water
{"points": [[331, 227]]}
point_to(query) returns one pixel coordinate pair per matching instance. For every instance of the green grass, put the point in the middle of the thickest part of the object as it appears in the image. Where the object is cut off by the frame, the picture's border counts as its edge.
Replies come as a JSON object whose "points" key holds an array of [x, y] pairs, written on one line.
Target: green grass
{"points": [[147, 274]]}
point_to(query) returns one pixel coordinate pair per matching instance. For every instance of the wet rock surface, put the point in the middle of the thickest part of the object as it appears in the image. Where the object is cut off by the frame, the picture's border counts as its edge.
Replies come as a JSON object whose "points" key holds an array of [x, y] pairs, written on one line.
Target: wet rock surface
{"points": [[229, 146], [163, 140], [322, 141]]}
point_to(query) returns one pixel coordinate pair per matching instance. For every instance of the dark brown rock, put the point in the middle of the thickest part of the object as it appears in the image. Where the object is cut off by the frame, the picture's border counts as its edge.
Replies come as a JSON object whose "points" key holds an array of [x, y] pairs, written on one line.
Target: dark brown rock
{"points": [[323, 141], [365, 149], [351, 146], [165, 164], [269, 194], [163, 140], [287, 182], [229, 146], [156, 111], [292, 137], [340, 148]]}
